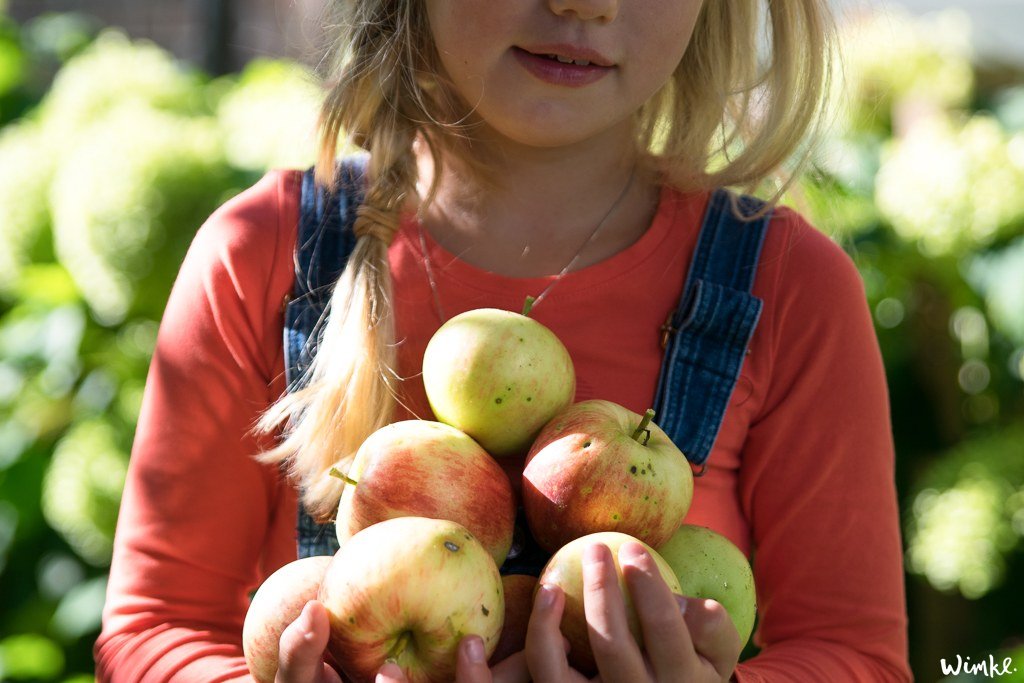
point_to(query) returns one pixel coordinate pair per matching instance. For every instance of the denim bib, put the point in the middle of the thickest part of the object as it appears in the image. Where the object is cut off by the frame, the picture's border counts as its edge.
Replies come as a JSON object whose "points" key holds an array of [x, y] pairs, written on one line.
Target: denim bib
{"points": [[705, 337]]}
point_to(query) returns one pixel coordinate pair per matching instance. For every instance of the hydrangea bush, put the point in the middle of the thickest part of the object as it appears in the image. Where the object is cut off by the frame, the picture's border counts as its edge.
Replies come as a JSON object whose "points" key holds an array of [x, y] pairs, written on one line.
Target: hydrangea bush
{"points": [[103, 184]]}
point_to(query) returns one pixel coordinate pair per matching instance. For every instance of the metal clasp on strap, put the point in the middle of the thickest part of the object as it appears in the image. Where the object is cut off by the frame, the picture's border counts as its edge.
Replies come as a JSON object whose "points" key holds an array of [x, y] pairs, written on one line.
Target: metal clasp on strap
{"points": [[667, 330]]}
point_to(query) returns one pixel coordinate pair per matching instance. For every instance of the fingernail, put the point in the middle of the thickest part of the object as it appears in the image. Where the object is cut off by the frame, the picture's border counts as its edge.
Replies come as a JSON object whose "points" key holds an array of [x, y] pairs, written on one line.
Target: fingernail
{"points": [[547, 596], [389, 672], [306, 619], [632, 553], [681, 601], [475, 650], [593, 554]]}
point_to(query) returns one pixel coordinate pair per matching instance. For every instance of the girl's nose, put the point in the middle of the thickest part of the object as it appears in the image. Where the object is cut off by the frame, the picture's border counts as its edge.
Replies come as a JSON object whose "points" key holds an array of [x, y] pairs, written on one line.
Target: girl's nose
{"points": [[586, 10]]}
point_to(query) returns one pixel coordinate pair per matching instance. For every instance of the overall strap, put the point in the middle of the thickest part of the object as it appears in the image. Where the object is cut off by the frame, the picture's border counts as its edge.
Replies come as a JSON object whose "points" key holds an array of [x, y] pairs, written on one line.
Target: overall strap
{"points": [[708, 334], [325, 240]]}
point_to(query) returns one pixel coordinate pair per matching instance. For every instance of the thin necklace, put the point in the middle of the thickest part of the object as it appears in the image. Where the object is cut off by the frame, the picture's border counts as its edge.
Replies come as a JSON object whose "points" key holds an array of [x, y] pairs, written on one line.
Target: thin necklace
{"points": [[590, 238]]}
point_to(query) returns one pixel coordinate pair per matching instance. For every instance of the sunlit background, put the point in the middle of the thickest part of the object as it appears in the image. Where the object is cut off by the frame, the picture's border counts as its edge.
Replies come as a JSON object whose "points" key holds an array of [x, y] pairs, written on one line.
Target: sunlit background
{"points": [[113, 149]]}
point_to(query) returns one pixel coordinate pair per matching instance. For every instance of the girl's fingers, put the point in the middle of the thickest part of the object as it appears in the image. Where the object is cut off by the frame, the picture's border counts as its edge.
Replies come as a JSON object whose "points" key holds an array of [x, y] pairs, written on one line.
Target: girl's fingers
{"points": [[471, 664], [616, 653], [512, 669], [667, 641], [302, 645], [545, 653], [713, 633], [390, 673]]}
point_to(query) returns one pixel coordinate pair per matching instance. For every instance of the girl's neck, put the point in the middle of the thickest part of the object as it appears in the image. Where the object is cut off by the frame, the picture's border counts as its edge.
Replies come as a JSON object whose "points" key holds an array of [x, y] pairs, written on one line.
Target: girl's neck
{"points": [[541, 207]]}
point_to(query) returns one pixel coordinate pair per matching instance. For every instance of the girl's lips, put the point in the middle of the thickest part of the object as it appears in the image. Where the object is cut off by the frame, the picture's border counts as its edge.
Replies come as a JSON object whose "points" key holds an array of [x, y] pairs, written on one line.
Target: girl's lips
{"points": [[559, 73]]}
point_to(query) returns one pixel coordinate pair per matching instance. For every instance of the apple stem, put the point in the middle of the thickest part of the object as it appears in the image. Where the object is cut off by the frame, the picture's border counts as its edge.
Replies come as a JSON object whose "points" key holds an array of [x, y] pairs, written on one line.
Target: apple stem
{"points": [[642, 428], [528, 305], [338, 474], [399, 646]]}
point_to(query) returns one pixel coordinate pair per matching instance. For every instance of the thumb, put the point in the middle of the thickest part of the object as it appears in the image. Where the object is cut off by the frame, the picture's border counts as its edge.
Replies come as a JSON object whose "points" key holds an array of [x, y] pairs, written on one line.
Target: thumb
{"points": [[712, 631], [302, 645]]}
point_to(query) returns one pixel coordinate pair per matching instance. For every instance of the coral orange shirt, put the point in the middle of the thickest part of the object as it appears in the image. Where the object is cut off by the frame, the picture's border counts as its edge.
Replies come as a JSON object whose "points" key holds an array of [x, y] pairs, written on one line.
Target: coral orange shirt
{"points": [[801, 476]]}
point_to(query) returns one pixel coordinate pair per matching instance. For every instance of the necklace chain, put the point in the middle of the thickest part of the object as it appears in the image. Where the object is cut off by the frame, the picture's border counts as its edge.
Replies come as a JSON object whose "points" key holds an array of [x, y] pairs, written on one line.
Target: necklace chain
{"points": [[590, 238]]}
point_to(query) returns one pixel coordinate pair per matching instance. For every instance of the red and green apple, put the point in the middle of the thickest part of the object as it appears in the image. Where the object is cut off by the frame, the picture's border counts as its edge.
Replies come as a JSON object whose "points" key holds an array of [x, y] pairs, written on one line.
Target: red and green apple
{"points": [[277, 603], [597, 466], [419, 468], [408, 590]]}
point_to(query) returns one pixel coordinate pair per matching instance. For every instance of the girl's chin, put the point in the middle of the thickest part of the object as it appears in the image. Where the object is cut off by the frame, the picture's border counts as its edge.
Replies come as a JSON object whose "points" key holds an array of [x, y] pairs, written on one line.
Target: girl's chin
{"points": [[554, 135]]}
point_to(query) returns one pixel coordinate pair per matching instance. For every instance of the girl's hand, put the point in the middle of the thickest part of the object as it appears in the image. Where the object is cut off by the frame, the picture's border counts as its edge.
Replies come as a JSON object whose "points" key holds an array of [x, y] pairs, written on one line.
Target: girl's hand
{"points": [[302, 646], [471, 667], [685, 639]]}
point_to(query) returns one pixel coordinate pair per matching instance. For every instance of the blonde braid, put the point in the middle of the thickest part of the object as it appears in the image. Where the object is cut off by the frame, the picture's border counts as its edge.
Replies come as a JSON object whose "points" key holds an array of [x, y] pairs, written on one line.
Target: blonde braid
{"points": [[351, 384]]}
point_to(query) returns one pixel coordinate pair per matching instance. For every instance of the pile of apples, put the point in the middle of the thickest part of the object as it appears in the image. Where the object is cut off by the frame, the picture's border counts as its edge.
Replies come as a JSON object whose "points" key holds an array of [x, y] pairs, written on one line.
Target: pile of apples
{"points": [[426, 517]]}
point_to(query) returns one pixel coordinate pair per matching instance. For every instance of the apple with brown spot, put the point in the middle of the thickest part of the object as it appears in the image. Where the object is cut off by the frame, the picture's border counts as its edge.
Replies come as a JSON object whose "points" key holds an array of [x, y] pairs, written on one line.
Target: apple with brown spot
{"points": [[565, 570], [498, 376], [597, 466], [277, 603], [418, 468], [408, 590]]}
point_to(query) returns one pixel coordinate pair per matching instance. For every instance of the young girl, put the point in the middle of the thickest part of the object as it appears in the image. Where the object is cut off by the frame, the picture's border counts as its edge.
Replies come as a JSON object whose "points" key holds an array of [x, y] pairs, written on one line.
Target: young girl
{"points": [[568, 150]]}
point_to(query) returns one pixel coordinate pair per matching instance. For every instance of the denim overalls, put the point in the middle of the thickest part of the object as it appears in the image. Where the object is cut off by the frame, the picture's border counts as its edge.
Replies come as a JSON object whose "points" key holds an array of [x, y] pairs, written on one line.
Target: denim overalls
{"points": [[705, 338]]}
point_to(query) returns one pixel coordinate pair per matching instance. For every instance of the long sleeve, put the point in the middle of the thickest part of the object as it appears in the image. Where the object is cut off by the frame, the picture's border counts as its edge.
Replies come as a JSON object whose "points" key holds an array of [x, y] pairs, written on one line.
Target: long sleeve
{"points": [[201, 520], [817, 482]]}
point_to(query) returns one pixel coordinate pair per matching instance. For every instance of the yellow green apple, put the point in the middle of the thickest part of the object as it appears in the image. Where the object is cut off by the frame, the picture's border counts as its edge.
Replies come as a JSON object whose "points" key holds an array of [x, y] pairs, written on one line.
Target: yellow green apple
{"points": [[709, 565], [565, 570], [498, 376]]}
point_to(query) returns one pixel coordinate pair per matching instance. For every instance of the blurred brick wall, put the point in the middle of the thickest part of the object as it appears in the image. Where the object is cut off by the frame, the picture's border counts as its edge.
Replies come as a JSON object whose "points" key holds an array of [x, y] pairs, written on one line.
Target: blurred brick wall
{"points": [[220, 35]]}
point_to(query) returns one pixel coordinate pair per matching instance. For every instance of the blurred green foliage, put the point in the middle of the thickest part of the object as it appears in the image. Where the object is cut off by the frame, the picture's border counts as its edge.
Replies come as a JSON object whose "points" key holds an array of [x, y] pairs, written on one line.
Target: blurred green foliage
{"points": [[112, 154], [921, 179]]}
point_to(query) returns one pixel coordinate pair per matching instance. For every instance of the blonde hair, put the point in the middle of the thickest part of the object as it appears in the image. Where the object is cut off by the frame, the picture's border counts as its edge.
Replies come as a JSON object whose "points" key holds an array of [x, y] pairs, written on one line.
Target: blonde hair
{"points": [[724, 119]]}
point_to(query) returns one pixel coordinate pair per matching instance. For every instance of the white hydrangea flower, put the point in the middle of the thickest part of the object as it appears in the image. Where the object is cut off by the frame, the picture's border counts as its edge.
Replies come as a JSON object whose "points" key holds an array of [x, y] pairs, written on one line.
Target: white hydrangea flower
{"points": [[111, 71], [269, 117], [82, 489], [949, 187], [138, 180], [890, 56], [26, 166], [960, 538]]}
